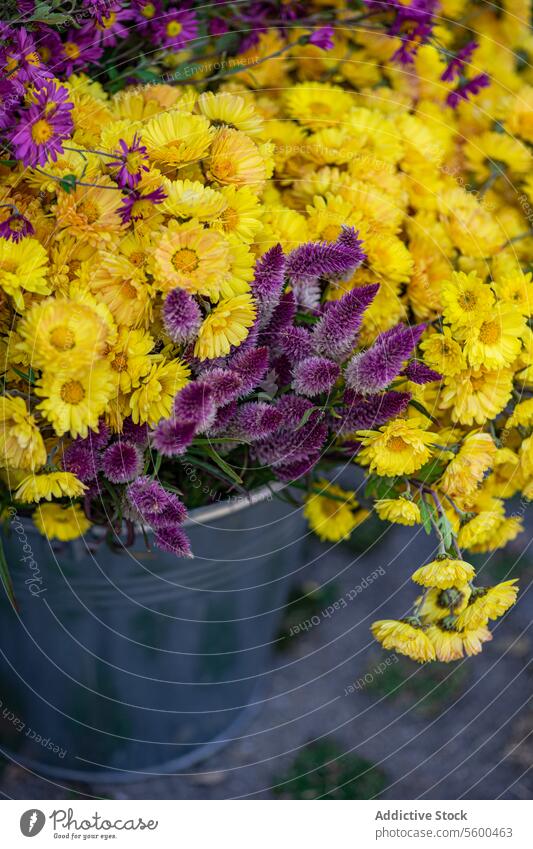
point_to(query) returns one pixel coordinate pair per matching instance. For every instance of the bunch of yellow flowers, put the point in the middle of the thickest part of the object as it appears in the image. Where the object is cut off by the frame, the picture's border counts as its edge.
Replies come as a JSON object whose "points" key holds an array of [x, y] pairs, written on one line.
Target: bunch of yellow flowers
{"points": [[160, 189]]}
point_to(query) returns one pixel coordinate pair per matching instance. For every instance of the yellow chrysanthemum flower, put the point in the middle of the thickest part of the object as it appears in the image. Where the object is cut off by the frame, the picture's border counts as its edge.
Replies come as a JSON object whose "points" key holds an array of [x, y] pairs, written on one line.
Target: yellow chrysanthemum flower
{"points": [[522, 414], [152, 401], [474, 638], [388, 257], [443, 353], [21, 443], [191, 199], [236, 160], [405, 638], [466, 299], [241, 216], [332, 512], [447, 643], [62, 333], [62, 522], [225, 326], [516, 289], [230, 110], [130, 358], [74, 401], [192, 258], [477, 395], [467, 469], [23, 266], [437, 604], [123, 288], [35, 488], [400, 511], [398, 448], [488, 603], [489, 151], [177, 138], [90, 213], [444, 572], [494, 341], [316, 105]]}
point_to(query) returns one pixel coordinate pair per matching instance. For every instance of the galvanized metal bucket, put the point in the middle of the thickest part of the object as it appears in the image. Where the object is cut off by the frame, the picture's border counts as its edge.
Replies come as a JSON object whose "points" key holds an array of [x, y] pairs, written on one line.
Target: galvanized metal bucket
{"points": [[127, 663]]}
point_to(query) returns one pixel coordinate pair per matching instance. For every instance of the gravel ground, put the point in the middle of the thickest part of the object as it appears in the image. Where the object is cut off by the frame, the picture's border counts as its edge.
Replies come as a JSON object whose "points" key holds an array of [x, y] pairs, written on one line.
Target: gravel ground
{"points": [[477, 745]]}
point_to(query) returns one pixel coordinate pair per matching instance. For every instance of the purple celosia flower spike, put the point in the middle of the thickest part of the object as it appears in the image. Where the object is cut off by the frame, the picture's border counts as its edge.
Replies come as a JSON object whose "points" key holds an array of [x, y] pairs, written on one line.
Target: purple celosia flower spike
{"points": [[81, 459], [172, 438], [361, 412], [122, 462], [268, 281], [372, 370], [225, 385], [194, 404], [181, 316], [419, 372], [335, 334], [154, 505], [315, 375], [256, 420], [137, 433], [251, 366], [282, 318], [296, 343], [174, 540], [325, 259]]}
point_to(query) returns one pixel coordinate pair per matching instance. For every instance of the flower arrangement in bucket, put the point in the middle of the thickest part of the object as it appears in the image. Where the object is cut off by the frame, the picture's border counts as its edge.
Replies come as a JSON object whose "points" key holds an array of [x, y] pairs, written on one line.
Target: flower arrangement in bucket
{"points": [[313, 258]]}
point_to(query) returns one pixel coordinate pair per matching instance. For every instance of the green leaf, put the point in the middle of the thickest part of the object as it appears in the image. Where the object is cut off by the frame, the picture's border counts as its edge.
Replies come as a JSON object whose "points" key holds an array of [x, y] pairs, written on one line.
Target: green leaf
{"points": [[430, 471], [446, 531], [380, 487], [221, 463], [5, 577], [145, 75], [305, 418], [421, 409], [30, 377], [425, 515], [68, 183]]}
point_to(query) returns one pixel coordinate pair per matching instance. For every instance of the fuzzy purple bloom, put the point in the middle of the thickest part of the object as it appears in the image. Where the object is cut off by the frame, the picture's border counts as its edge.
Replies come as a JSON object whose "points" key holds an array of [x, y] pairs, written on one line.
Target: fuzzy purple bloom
{"points": [[131, 162], [325, 259], [137, 433], [257, 419], [335, 333], [181, 316], [296, 343], [282, 318], [81, 460], [194, 404], [172, 438], [315, 375], [469, 88], [268, 281], [419, 372], [250, 366], [16, 227], [307, 294], [174, 540], [361, 412], [225, 385], [122, 462], [323, 38], [154, 504], [372, 370], [224, 416], [98, 439]]}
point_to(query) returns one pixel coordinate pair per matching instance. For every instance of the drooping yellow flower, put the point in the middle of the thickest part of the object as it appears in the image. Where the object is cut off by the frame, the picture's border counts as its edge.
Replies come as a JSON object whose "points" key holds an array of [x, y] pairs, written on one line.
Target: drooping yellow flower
{"points": [[35, 488], [447, 643], [444, 572], [465, 472], [405, 638], [438, 604], [62, 333], [23, 266], [488, 603], [466, 299], [177, 138], [225, 326], [21, 443], [192, 258], [522, 414], [474, 638], [400, 511], [398, 448], [152, 401], [236, 160], [74, 401], [332, 511], [63, 522]]}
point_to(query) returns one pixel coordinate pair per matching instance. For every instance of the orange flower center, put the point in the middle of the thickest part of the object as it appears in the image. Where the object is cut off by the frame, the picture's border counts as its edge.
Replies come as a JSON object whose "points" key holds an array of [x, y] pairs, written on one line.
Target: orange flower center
{"points": [[41, 131], [467, 301], [90, 210], [185, 260], [62, 338], [128, 290], [224, 169], [72, 392], [120, 363], [396, 443], [490, 332], [71, 49]]}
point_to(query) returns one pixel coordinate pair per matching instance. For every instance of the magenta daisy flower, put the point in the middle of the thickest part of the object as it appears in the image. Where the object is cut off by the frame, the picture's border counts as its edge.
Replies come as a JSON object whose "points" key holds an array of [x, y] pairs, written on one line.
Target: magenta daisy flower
{"points": [[134, 205], [43, 126], [22, 60], [111, 25], [131, 162], [80, 48], [175, 27], [144, 13], [16, 227]]}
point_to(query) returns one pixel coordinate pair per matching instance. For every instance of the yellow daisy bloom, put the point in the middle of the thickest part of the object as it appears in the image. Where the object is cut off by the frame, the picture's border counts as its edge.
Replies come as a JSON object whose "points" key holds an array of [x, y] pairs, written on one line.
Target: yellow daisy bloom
{"points": [[495, 341], [177, 138], [225, 326], [23, 265], [21, 443], [192, 258], [130, 358], [522, 414], [444, 572], [467, 469], [516, 289], [447, 643], [443, 353], [74, 401], [90, 213], [316, 105], [400, 511], [63, 522], [488, 603], [404, 638], [488, 150], [466, 298], [477, 395], [473, 639], [236, 160], [152, 401], [52, 485], [241, 215], [332, 518], [398, 448], [231, 111], [438, 604], [123, 288], [388, 257], [191, 199]]}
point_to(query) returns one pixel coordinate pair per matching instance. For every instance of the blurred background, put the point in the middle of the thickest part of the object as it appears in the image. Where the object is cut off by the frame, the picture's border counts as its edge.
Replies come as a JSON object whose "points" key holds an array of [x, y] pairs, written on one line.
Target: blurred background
{"points": [[342, 719]]}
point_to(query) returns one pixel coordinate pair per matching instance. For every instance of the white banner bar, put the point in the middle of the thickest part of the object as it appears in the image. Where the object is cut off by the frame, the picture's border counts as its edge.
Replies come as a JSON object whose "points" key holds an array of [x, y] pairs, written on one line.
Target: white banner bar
{"points": [[265, 824]]}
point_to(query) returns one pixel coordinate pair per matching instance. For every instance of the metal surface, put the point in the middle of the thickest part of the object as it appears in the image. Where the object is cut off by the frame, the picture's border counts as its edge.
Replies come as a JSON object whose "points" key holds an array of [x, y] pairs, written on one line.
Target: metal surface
{"points": [[126, 663]]}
